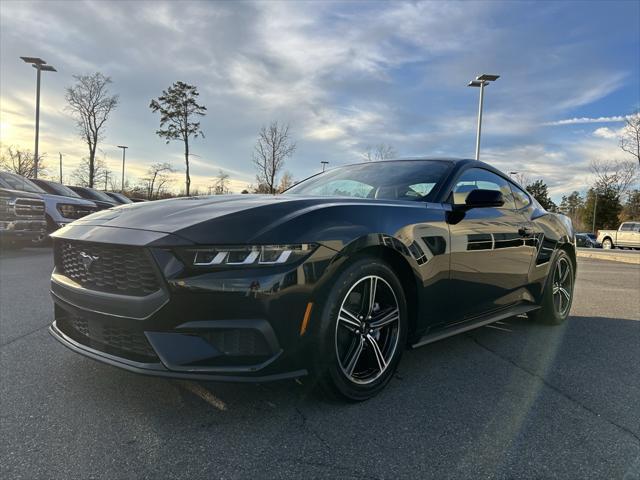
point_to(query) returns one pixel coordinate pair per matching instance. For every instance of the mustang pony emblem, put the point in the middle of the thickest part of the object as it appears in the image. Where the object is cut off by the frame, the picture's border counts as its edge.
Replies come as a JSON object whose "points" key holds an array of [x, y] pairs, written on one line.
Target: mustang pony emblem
{"points": [[87, 260]]}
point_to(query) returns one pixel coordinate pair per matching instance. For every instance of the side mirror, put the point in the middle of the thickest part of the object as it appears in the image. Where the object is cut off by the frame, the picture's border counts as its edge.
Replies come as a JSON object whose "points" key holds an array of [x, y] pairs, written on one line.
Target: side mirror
{"points": [[480, 198]]}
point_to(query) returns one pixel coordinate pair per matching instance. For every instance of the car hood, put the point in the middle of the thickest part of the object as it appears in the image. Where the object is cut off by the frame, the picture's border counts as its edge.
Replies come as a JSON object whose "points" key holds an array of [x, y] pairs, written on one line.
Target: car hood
{"points": [[232, 218], [20, 193], [50, 197]]}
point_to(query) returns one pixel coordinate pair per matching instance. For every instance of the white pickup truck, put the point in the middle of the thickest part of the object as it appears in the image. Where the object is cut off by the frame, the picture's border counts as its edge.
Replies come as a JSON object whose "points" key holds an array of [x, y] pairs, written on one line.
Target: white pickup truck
{"points": [[627, 236]]}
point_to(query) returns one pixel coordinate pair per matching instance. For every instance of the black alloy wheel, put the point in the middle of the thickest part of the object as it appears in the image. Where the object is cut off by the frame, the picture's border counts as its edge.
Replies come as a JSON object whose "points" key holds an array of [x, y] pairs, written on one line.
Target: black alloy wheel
{"points": [[364, 330], [558, 293]]}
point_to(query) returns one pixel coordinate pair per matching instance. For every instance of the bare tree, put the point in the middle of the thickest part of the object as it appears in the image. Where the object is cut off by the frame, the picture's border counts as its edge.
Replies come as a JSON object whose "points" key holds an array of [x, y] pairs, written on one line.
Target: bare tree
{"points": [[101, 174], [178, 107], [221, 184], [286, 182], [21, 162], [630, 136], [378, 153], [521, 178], [156, 179], [274, 145], [90, 102], [613, 175]]}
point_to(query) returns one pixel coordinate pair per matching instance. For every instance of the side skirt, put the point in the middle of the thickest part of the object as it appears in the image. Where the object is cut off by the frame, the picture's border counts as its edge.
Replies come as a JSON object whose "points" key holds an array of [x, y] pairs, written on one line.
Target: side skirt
{"points": [[475, 323]]}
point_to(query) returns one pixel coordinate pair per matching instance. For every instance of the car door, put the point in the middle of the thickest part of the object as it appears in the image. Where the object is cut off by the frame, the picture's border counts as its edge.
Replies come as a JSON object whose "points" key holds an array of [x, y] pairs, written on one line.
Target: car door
{"points": [[490, 258], [629, 235], [624, 238], [635, 238]]}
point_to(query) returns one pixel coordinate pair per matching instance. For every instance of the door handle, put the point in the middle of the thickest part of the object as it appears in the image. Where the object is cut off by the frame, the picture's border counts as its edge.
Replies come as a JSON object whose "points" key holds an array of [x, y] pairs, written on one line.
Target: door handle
{"points": [[524, 231]]}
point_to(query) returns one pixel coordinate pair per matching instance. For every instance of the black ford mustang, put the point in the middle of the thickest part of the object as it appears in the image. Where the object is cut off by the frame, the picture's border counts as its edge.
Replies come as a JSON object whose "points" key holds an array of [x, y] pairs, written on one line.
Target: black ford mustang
{"points": [[333, 278]]}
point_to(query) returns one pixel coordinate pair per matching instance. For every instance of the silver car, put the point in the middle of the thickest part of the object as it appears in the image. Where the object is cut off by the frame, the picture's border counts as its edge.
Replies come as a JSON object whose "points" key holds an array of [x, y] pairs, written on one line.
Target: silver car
{"points": [[61, 207]]}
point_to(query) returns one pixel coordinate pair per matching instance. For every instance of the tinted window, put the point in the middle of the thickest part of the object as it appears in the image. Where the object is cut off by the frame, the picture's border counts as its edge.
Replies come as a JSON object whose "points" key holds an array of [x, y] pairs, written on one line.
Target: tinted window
{"points": [[16, 182], [119, 197], [56, 188], [626, 227], [94, 194], [478, 178], [521, 197], [396, 180]]}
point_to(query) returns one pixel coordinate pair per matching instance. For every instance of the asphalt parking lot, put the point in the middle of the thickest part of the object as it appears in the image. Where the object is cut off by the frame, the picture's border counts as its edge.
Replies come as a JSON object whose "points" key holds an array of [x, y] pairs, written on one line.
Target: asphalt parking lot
{"points": [[514, 400]]}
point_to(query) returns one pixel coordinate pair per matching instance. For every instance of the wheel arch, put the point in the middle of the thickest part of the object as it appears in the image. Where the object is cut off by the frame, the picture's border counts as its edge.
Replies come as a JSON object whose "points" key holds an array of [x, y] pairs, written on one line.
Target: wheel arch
{"points": [[569, 248], [395, 254]]}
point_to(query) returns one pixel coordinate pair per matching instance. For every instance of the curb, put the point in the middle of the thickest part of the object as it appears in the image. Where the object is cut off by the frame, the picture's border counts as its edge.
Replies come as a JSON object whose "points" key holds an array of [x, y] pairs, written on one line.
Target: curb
{"points": [[610, 256]]}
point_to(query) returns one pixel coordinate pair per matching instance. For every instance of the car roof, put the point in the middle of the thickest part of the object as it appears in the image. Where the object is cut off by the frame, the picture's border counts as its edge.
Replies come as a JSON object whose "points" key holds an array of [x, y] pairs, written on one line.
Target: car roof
{"points": [[459, 162]]}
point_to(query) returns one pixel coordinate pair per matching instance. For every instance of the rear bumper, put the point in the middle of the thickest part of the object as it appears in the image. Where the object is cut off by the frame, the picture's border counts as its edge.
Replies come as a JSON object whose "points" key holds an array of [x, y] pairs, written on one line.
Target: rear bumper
{"points": [[158, 369]]}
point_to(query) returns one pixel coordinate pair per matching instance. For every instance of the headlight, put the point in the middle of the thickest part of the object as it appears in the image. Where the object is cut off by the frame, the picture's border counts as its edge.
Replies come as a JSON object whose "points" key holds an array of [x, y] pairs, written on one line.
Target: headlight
{"points": [[67, 211], [241, 256]]}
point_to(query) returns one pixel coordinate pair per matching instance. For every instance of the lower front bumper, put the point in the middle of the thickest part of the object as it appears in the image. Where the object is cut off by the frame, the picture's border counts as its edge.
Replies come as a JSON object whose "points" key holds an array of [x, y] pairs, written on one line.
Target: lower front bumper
{"points": [[158, 369], [24, 235]]}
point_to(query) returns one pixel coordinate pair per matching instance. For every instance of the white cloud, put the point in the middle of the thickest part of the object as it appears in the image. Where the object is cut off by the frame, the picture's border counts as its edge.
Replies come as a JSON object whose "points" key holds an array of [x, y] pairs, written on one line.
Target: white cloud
{"points": [[582, 120], [606, 132], [343, 75]]}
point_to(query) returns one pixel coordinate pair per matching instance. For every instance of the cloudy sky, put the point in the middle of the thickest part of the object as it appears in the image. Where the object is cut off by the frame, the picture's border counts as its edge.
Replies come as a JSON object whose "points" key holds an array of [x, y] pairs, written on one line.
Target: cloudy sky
{"points": [[344, 75]]}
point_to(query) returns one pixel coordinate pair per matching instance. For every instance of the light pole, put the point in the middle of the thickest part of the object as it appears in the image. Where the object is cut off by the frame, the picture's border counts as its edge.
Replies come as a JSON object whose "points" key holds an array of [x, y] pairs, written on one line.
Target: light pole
{"points": [[60, 153], [324, 165], [40, 65], [481, 81], [124, 149]]}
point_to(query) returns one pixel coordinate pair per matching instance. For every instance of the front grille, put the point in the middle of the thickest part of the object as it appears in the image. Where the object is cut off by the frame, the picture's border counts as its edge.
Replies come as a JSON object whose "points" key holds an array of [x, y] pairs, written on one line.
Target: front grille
{"points": [[107, 268], [119, 341], [27, 207], [127, 340]]}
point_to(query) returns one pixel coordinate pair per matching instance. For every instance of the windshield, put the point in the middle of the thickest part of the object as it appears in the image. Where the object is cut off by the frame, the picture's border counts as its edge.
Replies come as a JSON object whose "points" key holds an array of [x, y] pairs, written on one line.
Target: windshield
{"points": [[56, 188], [96, 194], [120, 197], [394, 180], [16, 182]]}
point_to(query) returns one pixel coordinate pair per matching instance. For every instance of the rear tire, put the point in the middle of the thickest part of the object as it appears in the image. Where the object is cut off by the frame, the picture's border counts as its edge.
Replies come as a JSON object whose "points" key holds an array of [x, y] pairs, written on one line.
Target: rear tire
{"points": [[362, 337], [557, 297], [607, 244]]}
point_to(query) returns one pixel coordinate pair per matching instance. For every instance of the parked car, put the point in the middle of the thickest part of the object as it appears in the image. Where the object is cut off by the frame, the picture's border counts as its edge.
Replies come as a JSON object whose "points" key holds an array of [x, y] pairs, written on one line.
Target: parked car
{"points": [[119, 197], [138, 200], [21, 218], [333, 278], [59, 209], [627, 236], [585, 240], [101, 199]]}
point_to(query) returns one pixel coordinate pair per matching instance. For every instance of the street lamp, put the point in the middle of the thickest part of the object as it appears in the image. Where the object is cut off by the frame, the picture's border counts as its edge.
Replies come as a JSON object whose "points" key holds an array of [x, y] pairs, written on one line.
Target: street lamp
{"points": [[124, 149], [40, 65], [481, 82], [324, 165]]}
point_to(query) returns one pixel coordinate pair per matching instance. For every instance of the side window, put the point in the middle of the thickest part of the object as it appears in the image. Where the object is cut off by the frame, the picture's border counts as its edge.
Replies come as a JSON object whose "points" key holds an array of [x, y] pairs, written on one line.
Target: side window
{"points": [[476, 178], [521, 197], [626, 227]]}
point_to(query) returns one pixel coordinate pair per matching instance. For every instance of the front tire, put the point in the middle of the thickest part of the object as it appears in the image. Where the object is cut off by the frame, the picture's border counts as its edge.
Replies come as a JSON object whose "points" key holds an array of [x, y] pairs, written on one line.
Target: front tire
{"points": [[363, 330], [558, 293]]}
